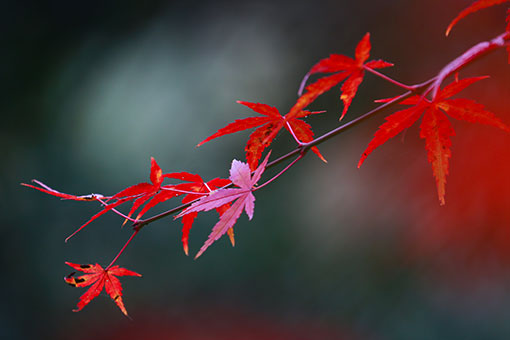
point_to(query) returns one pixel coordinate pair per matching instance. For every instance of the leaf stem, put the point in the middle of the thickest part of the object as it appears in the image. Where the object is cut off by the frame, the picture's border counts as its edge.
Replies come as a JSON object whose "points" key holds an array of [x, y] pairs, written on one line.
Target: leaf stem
{"points": [[391, 80], [300, 143], [283, 171], [123, 248]]}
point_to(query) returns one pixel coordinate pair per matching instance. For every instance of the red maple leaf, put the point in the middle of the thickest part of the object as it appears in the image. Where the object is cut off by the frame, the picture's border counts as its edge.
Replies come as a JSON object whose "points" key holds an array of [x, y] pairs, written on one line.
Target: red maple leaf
{"points": [[198, 185], [242, 198], [98, 278], [269, 124], [435, 127], [344, 67], [474, 7]]}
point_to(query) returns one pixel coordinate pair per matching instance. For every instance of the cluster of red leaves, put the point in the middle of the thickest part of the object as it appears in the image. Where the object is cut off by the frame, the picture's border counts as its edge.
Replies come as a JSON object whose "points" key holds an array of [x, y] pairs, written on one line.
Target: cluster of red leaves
{"points": [[272, 121], [144, 196], [435, 128], [148, 195]]}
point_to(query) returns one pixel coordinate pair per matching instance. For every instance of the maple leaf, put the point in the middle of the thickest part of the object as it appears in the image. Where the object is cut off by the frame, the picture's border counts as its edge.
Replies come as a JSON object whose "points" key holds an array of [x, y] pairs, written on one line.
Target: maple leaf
{"points": [[435, 127], [474, 7], [344, 67], [198, 185], [268, 125], [98, 278], [242, 198]]}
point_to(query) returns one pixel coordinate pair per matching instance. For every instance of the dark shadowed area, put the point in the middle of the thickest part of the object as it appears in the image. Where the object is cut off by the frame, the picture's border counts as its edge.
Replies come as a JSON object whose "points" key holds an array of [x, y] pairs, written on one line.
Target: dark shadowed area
{"points": [[92, 90]]}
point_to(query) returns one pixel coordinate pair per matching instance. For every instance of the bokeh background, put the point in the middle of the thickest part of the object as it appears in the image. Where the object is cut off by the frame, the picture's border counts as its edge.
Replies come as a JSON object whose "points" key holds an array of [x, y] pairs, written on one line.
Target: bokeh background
{"points": [[92, 90]]}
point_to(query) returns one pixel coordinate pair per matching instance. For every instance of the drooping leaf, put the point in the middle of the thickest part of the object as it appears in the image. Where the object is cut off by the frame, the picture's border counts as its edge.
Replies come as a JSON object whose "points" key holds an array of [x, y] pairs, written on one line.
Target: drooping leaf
{"points": [[242, 199], [353, 70], [435, 127], [474, 7], [98, 278], [268, 127]]}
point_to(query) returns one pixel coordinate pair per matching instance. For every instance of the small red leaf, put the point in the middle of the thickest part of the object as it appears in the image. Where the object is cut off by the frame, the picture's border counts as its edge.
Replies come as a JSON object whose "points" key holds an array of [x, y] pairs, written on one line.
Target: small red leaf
{"points": [[350, 69], [272, 122], [98, 278]]}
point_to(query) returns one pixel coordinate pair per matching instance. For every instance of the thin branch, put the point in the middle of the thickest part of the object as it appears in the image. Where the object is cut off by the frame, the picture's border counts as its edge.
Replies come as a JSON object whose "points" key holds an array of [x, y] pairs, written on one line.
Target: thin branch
{"points": [[468, 57]]}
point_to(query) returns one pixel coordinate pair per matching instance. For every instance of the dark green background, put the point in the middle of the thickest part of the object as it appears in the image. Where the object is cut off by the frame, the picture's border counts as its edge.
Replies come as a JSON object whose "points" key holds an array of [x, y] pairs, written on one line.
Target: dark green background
{"points": [[92, 90]]}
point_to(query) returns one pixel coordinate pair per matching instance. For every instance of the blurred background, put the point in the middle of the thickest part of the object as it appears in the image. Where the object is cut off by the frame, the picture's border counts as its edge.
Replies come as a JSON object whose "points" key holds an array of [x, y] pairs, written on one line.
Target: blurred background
{"points": [[92, 90]]}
